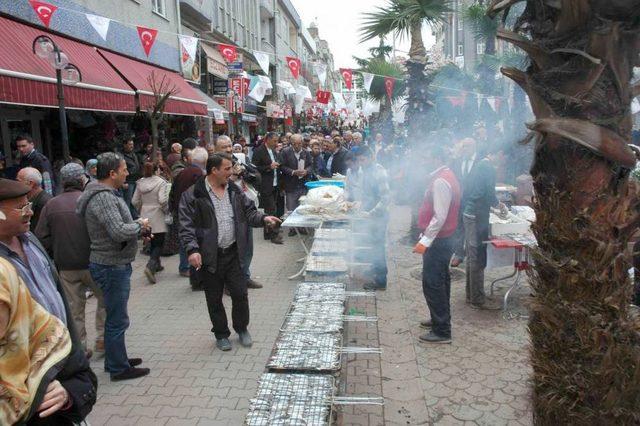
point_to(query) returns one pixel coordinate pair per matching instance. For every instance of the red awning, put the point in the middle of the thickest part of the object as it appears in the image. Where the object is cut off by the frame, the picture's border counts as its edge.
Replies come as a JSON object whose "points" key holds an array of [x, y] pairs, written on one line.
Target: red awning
{"points": [[26, 79], [185, 102]]}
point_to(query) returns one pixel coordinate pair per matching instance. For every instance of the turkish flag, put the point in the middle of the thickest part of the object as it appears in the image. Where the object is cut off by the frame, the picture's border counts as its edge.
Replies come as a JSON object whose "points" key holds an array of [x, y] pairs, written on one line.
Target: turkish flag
{"points": [[229, 52], [147, 38], [294, 66], [323, 97], [389, 84], [43, 10], [347, 76], [246, 82]]}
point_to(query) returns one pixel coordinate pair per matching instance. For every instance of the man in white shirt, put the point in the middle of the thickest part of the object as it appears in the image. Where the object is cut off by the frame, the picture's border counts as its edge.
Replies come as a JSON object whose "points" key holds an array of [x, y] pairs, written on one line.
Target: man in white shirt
{"points": [[468, 160], [438, 217]]}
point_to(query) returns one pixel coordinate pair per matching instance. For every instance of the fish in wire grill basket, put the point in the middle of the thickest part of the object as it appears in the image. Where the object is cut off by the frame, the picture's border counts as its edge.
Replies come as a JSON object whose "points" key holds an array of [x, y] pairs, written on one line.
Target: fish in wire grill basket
{"points": [[302, 351], [291, 399], [315, 318], [328, 246], [330, 234], [320, 293], [326, 264]]}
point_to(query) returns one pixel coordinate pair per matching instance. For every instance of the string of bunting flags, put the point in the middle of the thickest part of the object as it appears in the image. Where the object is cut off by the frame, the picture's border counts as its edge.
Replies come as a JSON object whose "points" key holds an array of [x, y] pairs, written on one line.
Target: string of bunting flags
{"points": [[259, 87]]}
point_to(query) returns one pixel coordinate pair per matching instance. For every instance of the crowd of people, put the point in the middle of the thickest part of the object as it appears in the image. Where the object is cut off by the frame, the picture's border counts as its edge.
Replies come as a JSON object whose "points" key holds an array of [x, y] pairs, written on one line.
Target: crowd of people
{"points": [[76, 231]]}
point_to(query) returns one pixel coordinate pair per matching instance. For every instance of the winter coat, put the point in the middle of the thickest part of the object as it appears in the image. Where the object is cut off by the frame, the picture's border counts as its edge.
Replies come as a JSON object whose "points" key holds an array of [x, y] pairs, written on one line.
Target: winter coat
{"points": [[113, 233], [63, 233], [199, 228], [151, 199]]}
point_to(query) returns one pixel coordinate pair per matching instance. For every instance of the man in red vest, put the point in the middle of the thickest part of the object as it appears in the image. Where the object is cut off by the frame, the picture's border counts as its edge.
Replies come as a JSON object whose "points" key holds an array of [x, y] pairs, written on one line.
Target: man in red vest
{"points": [[438, 217]]}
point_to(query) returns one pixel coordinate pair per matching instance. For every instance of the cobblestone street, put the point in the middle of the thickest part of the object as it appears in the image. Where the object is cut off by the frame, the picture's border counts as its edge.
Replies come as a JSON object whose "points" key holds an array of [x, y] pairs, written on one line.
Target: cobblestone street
{"points": [[482, 378]]}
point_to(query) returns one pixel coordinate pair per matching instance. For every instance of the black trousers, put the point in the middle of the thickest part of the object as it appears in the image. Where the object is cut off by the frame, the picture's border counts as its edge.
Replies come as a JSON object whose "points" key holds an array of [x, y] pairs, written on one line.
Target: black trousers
{"points": [[269, 203], [228, 273], [155, 250], [436, 284]]}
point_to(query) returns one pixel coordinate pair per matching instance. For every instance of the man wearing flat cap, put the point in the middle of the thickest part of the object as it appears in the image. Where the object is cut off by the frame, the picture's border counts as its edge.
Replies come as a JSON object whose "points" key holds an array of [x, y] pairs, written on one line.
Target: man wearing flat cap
{"points": [[23, 250], [64, 234]]}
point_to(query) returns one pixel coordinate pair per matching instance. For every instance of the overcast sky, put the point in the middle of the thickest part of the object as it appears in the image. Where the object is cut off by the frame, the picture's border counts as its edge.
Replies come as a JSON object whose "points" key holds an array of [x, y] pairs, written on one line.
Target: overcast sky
{"points": [[339, 22]]}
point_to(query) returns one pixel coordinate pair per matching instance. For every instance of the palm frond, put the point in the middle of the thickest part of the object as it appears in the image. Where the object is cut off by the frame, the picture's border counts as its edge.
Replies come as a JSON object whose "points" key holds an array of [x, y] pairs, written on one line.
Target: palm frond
{"points": [[483, 26], [398, 16]]}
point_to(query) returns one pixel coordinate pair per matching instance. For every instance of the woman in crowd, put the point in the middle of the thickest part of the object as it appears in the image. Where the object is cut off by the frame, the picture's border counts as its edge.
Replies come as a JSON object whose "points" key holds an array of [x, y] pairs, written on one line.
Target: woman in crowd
{"points": [[151, 200], [46, 379]]}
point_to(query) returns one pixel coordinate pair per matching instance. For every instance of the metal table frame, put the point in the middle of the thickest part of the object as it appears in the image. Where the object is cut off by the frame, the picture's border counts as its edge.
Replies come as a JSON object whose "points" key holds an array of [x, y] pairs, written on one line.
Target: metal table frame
{"points": [[521, 263]]}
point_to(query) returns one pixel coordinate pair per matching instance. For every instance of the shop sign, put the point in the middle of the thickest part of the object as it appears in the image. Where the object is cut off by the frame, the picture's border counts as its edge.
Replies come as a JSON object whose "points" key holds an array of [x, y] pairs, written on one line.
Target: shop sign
{"points": [[250, 105], [220, 87], [221, 101], [236, 67], [237, 94], [250, 118], [217, 68]]}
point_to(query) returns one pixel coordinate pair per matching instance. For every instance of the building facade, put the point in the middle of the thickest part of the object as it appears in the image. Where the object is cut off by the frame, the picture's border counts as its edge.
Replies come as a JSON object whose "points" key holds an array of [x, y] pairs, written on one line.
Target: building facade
{"points": [[457, 40]]}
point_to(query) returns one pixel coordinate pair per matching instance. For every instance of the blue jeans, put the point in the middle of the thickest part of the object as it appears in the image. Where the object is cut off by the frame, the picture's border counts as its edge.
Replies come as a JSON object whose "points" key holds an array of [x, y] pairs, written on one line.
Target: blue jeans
{"points": [[184, 260], [115, 283], [248, 255]]}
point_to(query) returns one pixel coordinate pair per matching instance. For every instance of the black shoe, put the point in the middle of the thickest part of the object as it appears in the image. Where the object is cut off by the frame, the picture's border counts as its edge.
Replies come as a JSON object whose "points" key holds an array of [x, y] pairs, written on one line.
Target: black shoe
{"points": [[253, 284], [134, 362], [245, 339], [151, 276], [487, 305], [426, 324], [432, 337], [131, 373], [223, 344], [277, 240], [292, 232]]}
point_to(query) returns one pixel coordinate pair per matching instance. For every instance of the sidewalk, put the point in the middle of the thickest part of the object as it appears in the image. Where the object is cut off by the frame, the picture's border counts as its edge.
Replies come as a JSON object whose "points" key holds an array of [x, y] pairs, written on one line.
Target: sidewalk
{"points": [[481, 378], [191, 382]]}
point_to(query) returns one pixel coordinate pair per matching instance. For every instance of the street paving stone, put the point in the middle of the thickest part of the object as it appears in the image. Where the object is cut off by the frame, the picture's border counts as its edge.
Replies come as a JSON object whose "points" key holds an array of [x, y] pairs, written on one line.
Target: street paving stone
{"points": [[191, 382], [482, 378]]}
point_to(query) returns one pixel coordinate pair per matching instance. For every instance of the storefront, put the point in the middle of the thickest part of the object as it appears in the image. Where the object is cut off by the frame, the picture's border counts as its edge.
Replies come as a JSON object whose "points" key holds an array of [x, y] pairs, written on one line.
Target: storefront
{"points": [[108, 103]]}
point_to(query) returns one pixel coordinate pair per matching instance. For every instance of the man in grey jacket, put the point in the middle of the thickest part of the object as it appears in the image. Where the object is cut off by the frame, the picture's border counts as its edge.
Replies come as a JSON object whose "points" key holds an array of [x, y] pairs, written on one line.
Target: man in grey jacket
{"points": [[114, 242], [214, 222]]}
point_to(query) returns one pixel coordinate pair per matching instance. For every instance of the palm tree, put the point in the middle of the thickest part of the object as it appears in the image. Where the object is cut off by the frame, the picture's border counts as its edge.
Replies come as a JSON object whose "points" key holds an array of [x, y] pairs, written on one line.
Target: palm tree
{"points": [[381, 51], [405, 18], [585, 345]]}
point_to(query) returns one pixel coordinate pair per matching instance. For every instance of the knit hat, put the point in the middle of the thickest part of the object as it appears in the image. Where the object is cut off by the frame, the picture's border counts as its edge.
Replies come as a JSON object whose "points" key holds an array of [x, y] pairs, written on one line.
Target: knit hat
{"points": [[71, 173]]}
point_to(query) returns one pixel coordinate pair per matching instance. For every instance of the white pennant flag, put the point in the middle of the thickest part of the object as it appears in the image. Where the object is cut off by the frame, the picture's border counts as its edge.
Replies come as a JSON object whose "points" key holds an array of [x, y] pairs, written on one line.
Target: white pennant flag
{"points": [[321, 72], [258, 93], [339, 100], [635, 106], [368, 79], [263, 60], [190, 45], [100, 24], [492, 102]]}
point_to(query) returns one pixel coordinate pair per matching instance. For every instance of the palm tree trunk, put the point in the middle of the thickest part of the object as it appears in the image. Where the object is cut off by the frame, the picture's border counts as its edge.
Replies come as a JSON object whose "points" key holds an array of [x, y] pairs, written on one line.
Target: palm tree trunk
{"points": [[585, 347]]}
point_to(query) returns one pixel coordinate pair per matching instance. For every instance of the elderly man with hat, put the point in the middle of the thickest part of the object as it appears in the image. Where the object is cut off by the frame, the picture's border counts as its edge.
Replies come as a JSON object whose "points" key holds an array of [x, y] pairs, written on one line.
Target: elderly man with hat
{"points": [[64, 234], [75, 390]]}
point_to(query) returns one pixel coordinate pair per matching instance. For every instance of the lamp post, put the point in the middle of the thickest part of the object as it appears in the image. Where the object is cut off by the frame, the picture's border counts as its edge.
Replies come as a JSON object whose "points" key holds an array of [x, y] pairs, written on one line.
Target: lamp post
{"points": [[67, 73]]}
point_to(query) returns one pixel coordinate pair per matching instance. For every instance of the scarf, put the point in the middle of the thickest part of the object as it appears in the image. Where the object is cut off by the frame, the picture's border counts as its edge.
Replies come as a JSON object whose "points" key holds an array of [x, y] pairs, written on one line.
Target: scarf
{"points": [[34, 341]]}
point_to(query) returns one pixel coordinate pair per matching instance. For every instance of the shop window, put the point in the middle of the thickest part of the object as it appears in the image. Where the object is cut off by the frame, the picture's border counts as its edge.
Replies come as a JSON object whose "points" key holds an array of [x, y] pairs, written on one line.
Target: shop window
{"points": [[159, 7], [460, 50], [480, 48]]}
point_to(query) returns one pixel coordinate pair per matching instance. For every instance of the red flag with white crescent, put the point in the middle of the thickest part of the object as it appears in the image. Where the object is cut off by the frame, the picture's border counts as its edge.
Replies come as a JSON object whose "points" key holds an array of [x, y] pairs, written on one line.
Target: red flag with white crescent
{"points": [[43, 10], [147, 38], [347, 76], [294, 65], [229, 52], [389, 84], [323, 97]]}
